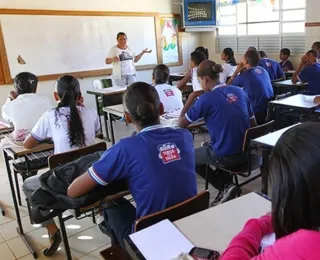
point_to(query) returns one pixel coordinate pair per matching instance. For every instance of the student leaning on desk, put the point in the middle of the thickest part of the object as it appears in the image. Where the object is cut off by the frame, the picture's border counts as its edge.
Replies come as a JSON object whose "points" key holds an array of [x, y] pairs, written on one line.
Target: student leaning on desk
{"points": [[158, 163], [309, 72], [228, 114], [295, 218]]}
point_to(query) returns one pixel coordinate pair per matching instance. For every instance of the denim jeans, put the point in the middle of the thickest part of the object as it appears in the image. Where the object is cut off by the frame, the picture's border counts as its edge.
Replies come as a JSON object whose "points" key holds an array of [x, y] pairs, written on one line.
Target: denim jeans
{"points": [[218, 179], [126, 80], [119, 217]]}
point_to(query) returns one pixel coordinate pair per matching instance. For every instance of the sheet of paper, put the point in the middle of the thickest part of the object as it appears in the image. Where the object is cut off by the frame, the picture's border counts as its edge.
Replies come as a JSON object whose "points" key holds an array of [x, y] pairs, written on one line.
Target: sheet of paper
{"points": [[162, 241], [113, 89], [309, 98], [173, 114]]}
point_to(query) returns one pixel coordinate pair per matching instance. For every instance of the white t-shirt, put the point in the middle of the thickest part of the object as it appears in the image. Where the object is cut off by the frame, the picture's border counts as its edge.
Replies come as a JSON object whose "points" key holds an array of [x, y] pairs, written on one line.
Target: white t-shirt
{"points": [[25, 111], [195, 82], [49, 127], [126, 64], [228, 71], [170, 97]]}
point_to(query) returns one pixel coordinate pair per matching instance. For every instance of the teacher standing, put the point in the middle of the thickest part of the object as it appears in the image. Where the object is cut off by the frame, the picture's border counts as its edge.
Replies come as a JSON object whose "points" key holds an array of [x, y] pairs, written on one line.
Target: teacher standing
{"points": [[123, 59]]}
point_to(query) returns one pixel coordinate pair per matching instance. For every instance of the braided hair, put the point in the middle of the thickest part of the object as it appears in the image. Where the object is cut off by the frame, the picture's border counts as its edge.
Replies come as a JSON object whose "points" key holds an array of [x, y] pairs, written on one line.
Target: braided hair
{"points": [[68, 89]]}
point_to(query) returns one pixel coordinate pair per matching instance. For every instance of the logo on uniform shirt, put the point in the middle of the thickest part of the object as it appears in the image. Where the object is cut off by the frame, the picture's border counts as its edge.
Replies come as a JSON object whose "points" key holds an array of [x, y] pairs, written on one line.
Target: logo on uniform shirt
{"points": [[258, 71], [169, 152], [269, 64], [232, 98], [168, 92]]}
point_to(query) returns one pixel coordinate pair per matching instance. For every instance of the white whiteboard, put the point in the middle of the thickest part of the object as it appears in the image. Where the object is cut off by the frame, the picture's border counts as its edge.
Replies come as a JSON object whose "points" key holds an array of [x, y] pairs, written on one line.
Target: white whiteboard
{"points": [[62, 44]]}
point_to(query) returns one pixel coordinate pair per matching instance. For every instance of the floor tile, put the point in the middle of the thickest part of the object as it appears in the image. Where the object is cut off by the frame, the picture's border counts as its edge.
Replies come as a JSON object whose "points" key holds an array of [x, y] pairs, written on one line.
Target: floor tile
{"points": [[88, 241], [9, 231], [95, 254], [5, 252], [59, 255], [18, 247]]}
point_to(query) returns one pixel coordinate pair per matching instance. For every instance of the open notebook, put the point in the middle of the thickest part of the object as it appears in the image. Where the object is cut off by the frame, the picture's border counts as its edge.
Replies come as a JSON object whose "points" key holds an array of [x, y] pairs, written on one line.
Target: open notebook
{"points": [[162, 241]]}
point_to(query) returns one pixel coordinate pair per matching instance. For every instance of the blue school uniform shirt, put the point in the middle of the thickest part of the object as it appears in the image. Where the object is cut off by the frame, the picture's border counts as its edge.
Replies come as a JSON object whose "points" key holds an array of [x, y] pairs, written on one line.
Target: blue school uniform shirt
{"points": [[227, 112], [256, 82], [158, 163], [311, 75], [272, 67], [286, 65]]}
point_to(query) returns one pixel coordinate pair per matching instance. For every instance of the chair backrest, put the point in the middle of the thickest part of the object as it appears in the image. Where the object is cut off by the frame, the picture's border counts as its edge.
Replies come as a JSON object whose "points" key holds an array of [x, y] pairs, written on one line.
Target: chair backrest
{"points": [[284, 95], [63, 158], [186, 208], [255, 132]]}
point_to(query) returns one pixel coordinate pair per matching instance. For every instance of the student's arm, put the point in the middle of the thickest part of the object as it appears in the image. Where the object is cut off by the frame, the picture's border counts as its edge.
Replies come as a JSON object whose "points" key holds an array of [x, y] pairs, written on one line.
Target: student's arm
{"points": [[139, 56], [39, 133], [253, 121], [185, 80], [235, 75], [317, 100], [112, 166], [295, 77], [197, 111], [190, 101], [245, 246]]}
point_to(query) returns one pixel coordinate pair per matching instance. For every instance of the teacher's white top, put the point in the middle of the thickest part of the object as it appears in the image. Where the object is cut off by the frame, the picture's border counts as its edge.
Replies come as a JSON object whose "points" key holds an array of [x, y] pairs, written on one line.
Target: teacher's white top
{"points": [[125, 65]]}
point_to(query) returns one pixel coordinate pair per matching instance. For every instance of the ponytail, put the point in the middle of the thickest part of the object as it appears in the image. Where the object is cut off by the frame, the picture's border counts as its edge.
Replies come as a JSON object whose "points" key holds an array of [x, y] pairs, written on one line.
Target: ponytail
{"points": [[209, 69], [142, 102], [68, 89], [230, 54]]}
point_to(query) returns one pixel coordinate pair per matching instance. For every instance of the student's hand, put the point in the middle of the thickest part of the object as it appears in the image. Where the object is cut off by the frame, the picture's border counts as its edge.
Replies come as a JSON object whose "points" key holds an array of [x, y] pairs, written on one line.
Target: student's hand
{"points": [[146, 50], [304, 59], [240, 67], [13, 95], [115, 59], [80, 102]]}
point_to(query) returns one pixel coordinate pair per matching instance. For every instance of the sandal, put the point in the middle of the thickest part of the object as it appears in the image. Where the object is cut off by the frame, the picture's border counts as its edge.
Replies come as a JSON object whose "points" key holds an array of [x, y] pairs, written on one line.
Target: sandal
{"points": [[56, 241]]}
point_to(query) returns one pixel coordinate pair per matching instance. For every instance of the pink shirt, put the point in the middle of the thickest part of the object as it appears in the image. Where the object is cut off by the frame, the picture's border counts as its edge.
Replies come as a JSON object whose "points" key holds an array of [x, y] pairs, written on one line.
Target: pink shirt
{"points": [[302, 245]]}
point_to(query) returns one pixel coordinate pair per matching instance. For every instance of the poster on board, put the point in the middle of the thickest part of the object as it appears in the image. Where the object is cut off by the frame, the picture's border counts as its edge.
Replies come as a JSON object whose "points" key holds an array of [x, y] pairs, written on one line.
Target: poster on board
{"points": [[169, 40]]}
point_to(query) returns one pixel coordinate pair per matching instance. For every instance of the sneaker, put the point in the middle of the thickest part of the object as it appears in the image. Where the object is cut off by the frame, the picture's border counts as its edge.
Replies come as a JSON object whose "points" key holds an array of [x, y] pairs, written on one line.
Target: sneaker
{"points": [[227, 194]]}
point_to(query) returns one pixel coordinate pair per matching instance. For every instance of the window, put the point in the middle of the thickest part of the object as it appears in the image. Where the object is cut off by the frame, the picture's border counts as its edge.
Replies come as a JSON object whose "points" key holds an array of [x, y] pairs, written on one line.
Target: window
{"points": [[261, 17], [266, 24]]}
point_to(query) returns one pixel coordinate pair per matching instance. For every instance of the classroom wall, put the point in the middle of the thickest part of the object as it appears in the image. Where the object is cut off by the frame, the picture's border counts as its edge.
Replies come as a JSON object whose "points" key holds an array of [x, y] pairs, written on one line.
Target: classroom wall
{"points": [[189, 40]]}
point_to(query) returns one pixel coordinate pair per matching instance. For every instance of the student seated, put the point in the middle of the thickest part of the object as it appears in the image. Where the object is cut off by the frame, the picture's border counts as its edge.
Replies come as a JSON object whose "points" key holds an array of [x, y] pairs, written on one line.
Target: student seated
{"points": [[229, 66], [195, 59], [170, 97], [316, 46], [295, 217], [271, 66], [309, 72], [158, 163], [204, 51], [256, 82], [228, 114], [71, 126], [24, 107], [285, 63]]}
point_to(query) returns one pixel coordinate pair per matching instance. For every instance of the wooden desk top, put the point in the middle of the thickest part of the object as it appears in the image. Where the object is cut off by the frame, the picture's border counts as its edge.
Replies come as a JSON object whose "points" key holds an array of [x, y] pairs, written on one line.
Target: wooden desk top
{"points": [[288, 83], [272, 138], [107, 91], [295, 101], [20, 151], [214, 228]]}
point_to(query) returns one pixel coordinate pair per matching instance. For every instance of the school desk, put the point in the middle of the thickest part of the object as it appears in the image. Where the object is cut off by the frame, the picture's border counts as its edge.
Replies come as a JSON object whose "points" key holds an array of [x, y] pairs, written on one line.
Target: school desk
{"points": [[11, 154], [215, 227], [285, 86], [295, 105], [175, 77], [118, 110], [289, 74], [266, 143], [106, 97]]}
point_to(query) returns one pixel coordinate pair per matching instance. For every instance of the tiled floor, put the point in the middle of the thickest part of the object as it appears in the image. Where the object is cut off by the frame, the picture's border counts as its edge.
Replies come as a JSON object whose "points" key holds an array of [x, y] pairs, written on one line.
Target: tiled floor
{"points": [[85, 239]]}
